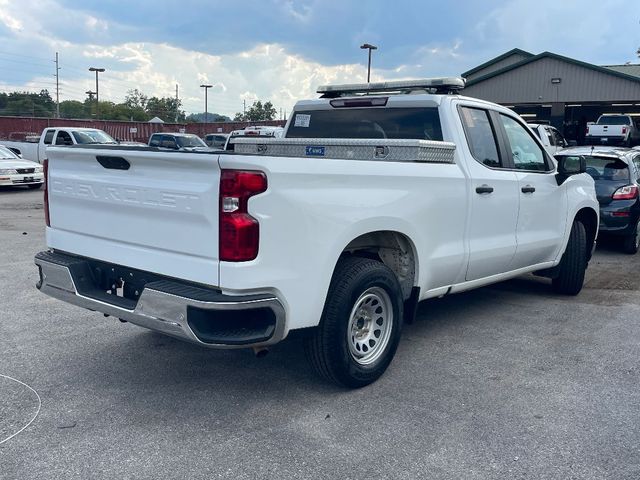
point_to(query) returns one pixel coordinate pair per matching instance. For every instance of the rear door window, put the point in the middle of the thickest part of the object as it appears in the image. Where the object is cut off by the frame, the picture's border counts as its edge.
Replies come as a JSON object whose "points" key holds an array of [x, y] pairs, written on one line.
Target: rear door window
{"points": [[614, 120], [558, 139], [480, 136], [48, 137]]}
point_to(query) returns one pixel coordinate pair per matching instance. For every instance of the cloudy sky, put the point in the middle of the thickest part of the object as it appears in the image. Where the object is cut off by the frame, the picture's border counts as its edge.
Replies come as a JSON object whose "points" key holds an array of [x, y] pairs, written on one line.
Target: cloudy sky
{"points": [[280, 50]]}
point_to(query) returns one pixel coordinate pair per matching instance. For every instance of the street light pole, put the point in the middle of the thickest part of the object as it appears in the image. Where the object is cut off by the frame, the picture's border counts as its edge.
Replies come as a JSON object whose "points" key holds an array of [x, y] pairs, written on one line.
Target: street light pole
{"points": [[368, 46], [206, 103], [97, 70]]}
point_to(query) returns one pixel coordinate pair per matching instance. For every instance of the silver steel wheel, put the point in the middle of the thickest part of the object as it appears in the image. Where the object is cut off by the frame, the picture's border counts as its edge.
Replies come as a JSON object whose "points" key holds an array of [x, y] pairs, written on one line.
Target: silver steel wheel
{"points": [[370, 325]]}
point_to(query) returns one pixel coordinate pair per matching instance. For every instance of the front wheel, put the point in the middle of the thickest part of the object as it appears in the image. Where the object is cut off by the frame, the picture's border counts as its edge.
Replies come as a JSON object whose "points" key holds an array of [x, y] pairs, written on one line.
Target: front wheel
{"points": [[360, 326], [573, 264]]}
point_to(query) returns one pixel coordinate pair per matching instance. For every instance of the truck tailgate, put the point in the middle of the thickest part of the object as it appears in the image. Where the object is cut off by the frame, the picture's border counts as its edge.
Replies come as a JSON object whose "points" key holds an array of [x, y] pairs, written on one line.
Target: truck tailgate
{"points": [[153, 211], [606, 130]]}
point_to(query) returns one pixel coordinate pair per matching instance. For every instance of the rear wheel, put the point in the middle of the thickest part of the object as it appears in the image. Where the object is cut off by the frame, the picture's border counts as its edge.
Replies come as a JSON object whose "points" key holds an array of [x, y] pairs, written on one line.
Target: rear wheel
{"points": [[573, 264], [360, 326], [631, 243], [35, 186]]}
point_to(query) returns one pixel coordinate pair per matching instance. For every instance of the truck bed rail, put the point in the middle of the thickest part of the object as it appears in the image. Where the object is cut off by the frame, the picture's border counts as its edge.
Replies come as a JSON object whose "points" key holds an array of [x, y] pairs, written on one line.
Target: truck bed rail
{"points": [[350, 149]]}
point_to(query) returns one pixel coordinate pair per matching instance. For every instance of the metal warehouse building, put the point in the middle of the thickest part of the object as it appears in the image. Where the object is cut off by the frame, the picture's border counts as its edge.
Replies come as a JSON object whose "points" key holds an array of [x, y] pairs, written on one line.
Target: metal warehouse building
{"points": [[566, 92]]}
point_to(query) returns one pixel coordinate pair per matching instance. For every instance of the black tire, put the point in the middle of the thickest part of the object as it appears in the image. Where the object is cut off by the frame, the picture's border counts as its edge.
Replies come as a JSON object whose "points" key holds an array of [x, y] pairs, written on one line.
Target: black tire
{"points": [[573, 264], [35, 186], [631, 243], [329, 349]]}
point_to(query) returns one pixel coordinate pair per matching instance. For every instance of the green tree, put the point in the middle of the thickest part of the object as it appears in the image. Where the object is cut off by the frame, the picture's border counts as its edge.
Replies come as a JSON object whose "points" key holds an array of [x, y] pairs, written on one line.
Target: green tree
{"points": [[135, 99], [27, 104], [167, 108], [72, 109], [257, 112], [211, 117]]}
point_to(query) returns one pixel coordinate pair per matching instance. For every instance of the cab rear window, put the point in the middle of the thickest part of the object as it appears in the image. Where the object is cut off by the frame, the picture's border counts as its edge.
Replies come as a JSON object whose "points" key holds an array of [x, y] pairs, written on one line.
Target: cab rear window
{"points": [[365, 123], [614, 120]]}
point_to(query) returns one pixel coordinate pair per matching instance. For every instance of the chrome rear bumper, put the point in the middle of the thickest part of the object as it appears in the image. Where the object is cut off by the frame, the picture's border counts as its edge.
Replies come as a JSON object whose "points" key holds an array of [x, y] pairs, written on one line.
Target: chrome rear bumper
{"points": [[192, 313]]}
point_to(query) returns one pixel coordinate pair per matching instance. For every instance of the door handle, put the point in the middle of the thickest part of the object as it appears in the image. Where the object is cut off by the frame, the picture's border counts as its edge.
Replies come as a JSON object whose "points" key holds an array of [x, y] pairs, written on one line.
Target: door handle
{"points": [[528, 189], [484, 189]]}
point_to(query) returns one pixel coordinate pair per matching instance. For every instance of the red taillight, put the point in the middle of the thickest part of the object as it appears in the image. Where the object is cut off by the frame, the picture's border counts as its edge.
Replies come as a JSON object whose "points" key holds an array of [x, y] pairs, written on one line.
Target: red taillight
{"points": [[628, 192], [45, 171], [239, 231], [624, 130]]}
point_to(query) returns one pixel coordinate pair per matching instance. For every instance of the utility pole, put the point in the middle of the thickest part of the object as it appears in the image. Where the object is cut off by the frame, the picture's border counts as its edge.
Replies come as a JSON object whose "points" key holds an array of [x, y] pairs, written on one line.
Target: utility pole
{"points": [[57, 88], [97, 70], [244, 109], [177, 103]]}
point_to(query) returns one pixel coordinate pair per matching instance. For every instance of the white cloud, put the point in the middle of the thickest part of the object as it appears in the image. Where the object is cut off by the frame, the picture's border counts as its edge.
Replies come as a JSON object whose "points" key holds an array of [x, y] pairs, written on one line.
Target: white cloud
{"points": [[572, 27], [297, 10]]}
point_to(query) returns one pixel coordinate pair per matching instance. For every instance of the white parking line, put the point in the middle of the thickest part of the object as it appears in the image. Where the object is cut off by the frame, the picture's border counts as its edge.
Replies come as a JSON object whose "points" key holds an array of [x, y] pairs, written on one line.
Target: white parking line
{"points": [[37, 411]]}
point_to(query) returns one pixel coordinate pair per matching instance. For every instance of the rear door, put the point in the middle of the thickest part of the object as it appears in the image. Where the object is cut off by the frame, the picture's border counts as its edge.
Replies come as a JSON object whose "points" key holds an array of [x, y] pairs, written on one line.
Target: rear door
{"points": [[494, 202], [154, 211]]}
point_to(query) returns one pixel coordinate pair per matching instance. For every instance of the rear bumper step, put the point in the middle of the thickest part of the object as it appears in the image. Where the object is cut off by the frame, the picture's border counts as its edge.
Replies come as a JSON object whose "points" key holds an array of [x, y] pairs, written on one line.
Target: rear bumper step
{"points": [[199, 315]]}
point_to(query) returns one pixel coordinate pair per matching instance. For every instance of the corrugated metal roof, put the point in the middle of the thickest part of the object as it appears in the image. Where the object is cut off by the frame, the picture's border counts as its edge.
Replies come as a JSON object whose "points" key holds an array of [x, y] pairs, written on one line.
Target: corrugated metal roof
{"points": [[562, 58], [499, 58], [631, 69]]}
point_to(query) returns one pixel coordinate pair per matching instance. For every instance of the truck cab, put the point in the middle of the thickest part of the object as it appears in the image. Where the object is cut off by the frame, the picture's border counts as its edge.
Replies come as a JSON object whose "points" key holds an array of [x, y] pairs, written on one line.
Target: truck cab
{"points": [[60, 136]]}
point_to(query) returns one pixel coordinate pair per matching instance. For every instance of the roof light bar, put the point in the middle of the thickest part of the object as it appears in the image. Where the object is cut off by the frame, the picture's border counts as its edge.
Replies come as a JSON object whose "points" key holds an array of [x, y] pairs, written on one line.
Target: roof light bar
{"points": [[440, 85]]}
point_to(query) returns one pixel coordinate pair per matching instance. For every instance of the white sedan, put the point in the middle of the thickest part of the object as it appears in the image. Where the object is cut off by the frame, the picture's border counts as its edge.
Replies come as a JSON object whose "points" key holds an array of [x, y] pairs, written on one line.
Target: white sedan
{"points": [[16, 171]]}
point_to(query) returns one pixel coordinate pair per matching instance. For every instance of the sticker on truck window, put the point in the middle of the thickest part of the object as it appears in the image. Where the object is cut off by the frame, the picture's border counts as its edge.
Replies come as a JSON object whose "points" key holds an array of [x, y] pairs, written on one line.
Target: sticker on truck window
{"points": [[314, 151], [302, 120]]}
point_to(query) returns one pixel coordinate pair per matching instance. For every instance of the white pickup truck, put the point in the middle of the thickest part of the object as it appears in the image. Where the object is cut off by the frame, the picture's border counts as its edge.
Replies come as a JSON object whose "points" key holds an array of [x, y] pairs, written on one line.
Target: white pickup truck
{"points": [[374, 200], [613, 129], [551, 139], [36, 151]]}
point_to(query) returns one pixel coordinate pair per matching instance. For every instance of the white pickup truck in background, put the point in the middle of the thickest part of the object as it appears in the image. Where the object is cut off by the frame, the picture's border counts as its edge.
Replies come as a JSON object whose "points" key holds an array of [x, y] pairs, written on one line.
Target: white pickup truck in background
{"points": [[373, 201], [36, 151], [612, 129], [550, 137]]}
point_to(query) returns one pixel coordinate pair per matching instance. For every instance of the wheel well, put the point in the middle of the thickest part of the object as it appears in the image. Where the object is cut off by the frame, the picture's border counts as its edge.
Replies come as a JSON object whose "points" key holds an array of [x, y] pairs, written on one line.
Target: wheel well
{"points": [[589, 219], [394, 249]]}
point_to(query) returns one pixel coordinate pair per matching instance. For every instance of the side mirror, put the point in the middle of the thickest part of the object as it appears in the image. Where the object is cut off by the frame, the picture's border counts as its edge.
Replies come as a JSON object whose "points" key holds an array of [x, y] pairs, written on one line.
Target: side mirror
{"points": [[569, 165], [572, 143]]}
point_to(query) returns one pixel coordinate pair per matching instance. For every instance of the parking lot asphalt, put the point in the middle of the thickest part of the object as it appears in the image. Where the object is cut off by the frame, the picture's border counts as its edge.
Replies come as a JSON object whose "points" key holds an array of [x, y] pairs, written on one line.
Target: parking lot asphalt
{"points": [[509, 381]]}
